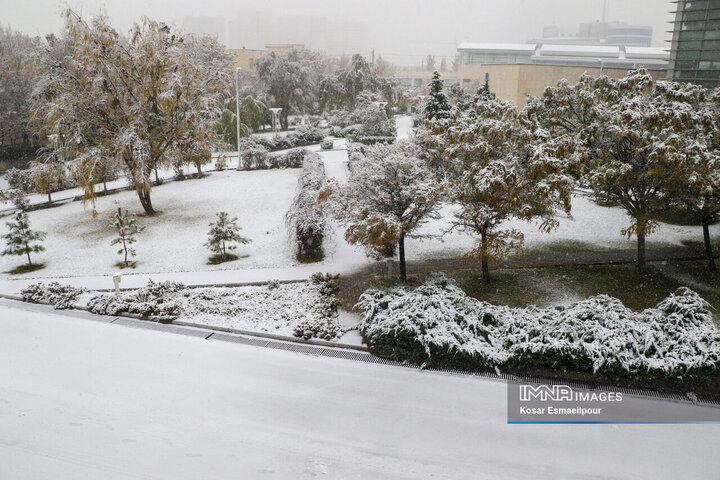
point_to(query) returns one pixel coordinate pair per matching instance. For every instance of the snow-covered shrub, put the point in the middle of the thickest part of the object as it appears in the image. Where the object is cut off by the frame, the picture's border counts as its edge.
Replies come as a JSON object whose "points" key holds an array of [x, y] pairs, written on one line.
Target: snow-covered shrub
{"points": [[319, 327], [221, 163], [305, 220], [21, 180], [363, 124], [254, 157], [158, 300], [303, 136], [327, 283], [257, 157], [438, 323], [327, 144], [291, 159], [356, 151], [59, 296], [298, 309]]}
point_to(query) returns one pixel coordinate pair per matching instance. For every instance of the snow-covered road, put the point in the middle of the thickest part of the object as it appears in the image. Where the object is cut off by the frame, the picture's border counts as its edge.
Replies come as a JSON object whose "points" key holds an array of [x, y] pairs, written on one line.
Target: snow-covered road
{"points": [[91, 400]]}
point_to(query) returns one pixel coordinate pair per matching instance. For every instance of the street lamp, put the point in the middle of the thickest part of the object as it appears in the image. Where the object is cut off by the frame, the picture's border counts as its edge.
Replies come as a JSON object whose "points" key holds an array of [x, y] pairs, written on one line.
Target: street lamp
{"points": [[275, 117], [237, 113], [602, 65]]}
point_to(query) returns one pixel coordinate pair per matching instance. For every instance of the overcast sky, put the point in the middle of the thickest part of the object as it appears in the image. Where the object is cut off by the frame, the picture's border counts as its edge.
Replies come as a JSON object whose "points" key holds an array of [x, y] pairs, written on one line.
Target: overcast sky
{"points": [[396, 28]]}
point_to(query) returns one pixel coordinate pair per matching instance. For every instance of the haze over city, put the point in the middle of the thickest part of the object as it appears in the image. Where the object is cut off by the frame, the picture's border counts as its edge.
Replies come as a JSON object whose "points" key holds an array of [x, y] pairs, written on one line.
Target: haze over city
{"points": [[402, 31]]}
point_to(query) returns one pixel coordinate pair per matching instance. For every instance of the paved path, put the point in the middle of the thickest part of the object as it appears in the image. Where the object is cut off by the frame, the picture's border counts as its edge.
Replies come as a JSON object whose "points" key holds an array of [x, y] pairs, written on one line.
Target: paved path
{"points": [[90, 400]]}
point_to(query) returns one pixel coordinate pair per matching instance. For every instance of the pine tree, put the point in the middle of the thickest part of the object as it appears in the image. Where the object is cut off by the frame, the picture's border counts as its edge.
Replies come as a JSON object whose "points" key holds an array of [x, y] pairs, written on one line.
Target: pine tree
{"points": [[20, 238], [127, 229], [223, 231], [437, 105], [484, 93]]}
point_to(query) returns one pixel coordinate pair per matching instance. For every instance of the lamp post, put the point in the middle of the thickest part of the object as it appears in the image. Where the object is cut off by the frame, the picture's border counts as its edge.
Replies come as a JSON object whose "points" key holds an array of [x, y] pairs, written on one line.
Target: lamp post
{"points": [[237, 113], [275, 117], [602, 65]]}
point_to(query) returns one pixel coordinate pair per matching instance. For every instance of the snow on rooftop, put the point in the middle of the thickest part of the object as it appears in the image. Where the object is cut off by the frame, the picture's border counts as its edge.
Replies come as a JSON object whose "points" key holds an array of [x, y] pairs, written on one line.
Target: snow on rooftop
{"points": [[581, 50], [647, 52], [498, 47]]}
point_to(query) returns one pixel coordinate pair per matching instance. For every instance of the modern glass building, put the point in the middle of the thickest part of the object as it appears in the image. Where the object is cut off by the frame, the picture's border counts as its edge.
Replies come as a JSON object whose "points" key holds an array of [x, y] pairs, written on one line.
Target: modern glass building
{"points": [[695, 50]]}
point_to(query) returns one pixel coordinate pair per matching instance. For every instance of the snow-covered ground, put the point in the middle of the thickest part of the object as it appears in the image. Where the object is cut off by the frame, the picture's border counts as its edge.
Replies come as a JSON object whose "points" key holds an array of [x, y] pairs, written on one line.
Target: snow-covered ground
{"points": [[90, 400], [588, 223], [171, 248]]}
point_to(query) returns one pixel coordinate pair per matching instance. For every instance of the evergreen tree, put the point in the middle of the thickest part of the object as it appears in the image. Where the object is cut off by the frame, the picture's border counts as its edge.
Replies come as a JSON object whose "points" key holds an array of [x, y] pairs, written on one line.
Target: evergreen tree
{"points": [[20, 238], [437, 105], [127, 229], [222, 232], [484, 93]]}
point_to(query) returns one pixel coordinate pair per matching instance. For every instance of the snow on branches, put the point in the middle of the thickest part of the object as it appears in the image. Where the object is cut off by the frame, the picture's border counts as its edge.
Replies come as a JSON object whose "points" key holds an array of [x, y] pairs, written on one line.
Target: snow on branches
{"points": [[438, 323], [389, 193], [143, 100], [496, 165]]}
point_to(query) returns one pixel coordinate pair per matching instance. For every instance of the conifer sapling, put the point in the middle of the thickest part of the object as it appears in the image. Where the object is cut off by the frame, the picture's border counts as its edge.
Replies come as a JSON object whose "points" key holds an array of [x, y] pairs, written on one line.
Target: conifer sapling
{"points": [[20, 238], [222, 233], [127, 228]]}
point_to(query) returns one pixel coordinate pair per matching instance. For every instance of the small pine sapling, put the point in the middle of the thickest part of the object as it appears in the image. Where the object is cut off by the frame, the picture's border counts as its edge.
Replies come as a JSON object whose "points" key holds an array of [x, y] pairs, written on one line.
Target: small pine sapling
{"points": [[20, 239], [222, 233], [127, 228]]}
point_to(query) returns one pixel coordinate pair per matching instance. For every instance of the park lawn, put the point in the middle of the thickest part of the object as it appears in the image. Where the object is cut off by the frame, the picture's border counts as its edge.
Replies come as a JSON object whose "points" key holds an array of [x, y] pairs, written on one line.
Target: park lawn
{"points": [[549, 286]]}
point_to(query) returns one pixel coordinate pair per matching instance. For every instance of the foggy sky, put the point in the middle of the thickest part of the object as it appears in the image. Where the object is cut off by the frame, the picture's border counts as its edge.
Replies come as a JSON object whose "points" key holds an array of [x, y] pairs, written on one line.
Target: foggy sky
{"points": [[399, 30]]}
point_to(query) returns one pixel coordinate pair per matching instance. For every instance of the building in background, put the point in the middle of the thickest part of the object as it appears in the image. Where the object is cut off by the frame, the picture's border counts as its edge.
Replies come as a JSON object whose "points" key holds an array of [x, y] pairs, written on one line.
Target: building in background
{"points": [[519, 69], [253, 30], [695, 48], [600, 33]]}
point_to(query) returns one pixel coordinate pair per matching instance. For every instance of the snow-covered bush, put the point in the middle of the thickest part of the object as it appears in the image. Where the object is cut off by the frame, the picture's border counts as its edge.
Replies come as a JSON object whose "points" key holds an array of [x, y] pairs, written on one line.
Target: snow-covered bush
{"points": [[356, 151], [20, 180], [59, 296], [438, 323], [158, 300], [327, 144], [221, 163], [305, 220], [298, 309], [368, 123], [253, 157], [318, 327], [303, 136], [256, 157]]}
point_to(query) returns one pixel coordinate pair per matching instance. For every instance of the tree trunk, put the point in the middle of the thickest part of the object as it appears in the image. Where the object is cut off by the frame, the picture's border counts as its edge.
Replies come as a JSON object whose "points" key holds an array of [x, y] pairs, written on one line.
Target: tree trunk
{"points": [[145, 201], [641, 250], [401, 248], [104, 186], [157, 177], [27, 252], [49, 198], [199, 167], [708, 247], [484, 258]]}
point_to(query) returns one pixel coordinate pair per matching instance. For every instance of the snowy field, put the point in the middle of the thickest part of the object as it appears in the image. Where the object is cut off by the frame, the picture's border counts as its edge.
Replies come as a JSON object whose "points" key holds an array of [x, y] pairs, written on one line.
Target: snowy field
{"points": [[78, 245], [588, 223], [88, 400]]}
